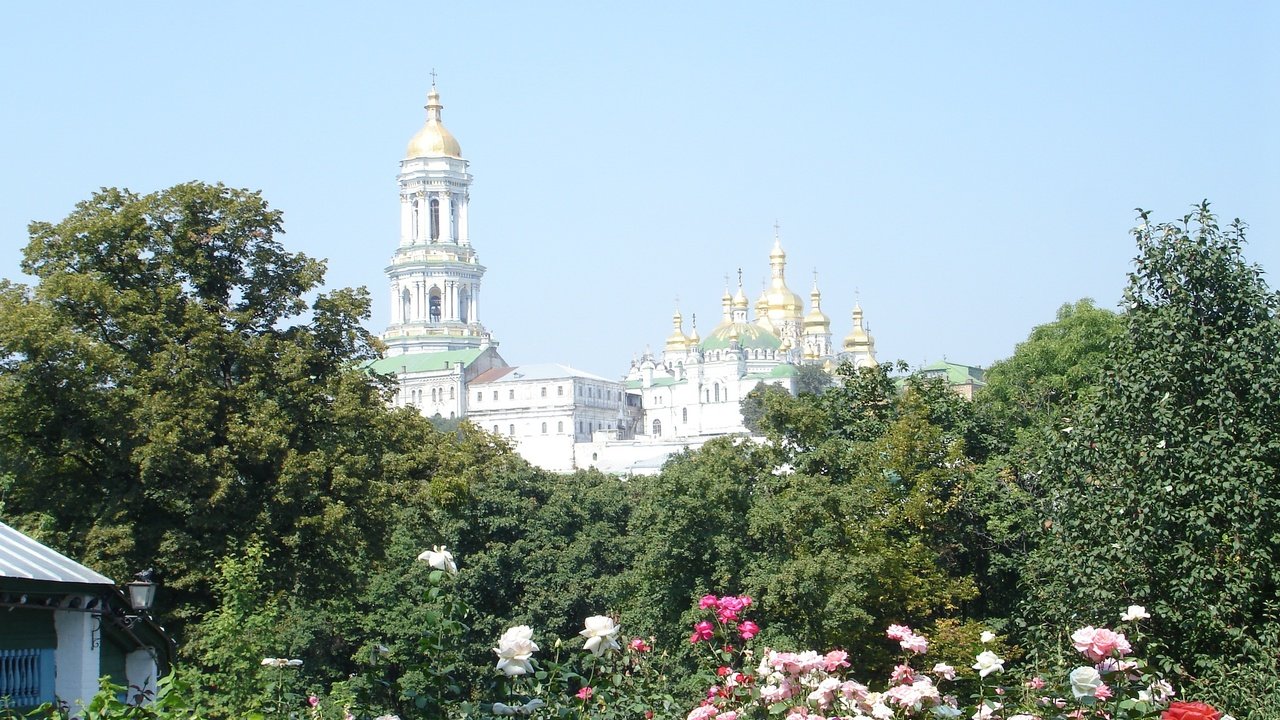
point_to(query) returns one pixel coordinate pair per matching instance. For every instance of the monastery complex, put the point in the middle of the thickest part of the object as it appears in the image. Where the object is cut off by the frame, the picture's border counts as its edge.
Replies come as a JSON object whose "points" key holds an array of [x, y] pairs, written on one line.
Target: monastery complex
{"points": [[557, 417]]}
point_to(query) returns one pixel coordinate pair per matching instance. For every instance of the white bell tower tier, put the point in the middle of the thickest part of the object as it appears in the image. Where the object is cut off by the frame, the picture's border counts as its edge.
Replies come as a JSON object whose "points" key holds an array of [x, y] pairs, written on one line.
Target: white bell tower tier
{"points": [[435, 275]]}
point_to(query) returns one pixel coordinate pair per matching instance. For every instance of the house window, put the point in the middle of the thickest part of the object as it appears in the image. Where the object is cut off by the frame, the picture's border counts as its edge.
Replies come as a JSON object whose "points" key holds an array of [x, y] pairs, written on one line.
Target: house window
{"points": [[560, 426], [511, 394], [451, 391], [717, 392], [479, 395], [559, 391], [657, 428], [544, 428], [684, 415], [495, 429], [511, 429], [495, 394]]}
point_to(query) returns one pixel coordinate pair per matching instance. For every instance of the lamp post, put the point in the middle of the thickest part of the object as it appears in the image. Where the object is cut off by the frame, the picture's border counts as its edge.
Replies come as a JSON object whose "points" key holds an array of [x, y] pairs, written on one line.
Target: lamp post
{"points": [[142, 591]]}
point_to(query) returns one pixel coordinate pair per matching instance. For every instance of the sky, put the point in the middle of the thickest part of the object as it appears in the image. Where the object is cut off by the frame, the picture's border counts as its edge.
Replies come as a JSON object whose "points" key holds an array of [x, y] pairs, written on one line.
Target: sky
{"points": [[961, 169]]}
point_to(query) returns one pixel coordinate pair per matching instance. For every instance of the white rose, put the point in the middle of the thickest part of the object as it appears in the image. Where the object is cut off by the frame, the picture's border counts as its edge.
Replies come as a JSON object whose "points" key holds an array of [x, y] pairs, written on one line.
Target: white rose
{"points": [[515, 647], [987, 636], [1084, 682], [1135, 612], [439, 558], [987, 663], [529, 707], [599, 631], [503, 709]]}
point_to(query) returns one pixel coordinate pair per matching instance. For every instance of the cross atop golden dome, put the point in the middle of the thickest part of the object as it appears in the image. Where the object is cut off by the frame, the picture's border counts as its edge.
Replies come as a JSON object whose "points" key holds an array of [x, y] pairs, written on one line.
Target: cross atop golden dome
{"points": [[433, 140]]}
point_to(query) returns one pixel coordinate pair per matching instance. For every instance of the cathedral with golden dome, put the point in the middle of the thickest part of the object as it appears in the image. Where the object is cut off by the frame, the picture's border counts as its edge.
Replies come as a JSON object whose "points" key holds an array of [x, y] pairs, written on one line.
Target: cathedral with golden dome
{"points": [[447, 364], [695, 387]]}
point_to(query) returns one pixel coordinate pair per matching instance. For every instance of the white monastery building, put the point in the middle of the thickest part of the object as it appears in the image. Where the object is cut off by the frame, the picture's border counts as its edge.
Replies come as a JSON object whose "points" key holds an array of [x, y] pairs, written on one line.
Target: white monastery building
{"points": [[557, 417]]}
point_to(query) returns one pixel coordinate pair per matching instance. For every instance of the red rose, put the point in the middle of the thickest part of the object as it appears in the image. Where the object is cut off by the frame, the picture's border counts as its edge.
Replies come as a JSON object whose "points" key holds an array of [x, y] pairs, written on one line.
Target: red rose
{"points": [[1190, 711]]}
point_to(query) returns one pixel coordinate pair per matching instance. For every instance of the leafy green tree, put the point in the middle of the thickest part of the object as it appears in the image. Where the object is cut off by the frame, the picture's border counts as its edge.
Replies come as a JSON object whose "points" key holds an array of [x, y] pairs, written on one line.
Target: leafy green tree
{"points": [[1168, 494], [167, 395], [1057, 367], [812, 379]]}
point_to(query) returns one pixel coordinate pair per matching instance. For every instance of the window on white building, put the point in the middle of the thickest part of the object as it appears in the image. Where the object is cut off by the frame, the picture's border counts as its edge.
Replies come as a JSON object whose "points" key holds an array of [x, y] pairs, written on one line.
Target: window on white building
{"points": [[560, 426], [495, 394], [511, 429], [511, 394], [544, 391], [559, 391], [657, 428], [479, 395], [684, 415], [544, 428]]}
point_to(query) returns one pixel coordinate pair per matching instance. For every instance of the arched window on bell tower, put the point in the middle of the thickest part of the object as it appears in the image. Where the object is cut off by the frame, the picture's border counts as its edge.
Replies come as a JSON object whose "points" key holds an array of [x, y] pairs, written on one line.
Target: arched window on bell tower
{"points": [[434, 304], [435, 219], [413, 232], [453, 220], [464, 304], [406, 306]]}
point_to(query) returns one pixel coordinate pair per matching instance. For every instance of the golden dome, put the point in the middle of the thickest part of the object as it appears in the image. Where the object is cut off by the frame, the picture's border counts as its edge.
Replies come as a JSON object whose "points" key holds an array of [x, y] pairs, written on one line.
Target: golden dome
{"points": [[816, 320], [433, 140], [677, 341], [783, 304], [859, 339]]}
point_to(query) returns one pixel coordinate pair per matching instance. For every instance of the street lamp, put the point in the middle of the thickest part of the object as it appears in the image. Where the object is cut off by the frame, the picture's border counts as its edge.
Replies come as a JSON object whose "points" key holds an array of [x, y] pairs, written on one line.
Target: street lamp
{"points": [[142, 591]]}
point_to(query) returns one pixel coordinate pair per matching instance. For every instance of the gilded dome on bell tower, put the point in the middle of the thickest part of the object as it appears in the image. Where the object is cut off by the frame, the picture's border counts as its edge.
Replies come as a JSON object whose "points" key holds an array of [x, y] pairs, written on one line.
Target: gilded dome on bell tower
{"points": [[433, 140]]}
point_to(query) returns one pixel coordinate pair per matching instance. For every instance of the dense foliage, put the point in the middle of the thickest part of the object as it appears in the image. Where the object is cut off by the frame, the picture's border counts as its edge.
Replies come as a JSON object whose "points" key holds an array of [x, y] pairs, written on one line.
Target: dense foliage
{"points": [[170, 398], [1167, 491]]}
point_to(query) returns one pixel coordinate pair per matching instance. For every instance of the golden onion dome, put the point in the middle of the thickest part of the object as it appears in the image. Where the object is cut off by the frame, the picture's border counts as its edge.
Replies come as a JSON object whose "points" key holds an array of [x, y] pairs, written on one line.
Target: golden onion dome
{"points": [[858, 339], [694, 338], [816, 319], [677, 341], [783, 303], [433, 140]]}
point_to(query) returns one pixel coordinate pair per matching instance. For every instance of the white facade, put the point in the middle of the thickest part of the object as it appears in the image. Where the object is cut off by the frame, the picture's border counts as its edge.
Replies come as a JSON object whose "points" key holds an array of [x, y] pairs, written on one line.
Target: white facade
{"points": [[547, 410]]}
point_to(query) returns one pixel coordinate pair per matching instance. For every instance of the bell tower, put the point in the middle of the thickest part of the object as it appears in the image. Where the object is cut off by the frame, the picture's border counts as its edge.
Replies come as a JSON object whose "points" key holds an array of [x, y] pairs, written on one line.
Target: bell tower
{"points": [[434, 274]]}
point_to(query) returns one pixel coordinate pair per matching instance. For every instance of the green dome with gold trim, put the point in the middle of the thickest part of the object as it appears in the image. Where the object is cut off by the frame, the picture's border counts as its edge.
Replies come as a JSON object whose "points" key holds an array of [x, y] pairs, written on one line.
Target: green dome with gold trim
{"points": [[749, 335]]}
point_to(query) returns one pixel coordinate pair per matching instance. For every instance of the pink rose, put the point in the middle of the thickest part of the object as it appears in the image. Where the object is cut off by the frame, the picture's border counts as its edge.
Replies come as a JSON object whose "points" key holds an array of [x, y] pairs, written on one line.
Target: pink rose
{"points": [[585, 693], [639, 645], [1103, 692], [915, 643], [748, 629], [897, 632], [702, 631], [707, 601], [835, 660]]}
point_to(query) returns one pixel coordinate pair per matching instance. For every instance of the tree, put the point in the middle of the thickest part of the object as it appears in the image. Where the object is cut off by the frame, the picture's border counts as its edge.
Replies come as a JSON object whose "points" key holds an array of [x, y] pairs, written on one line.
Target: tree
{"points": [[168, 397], [1053, 370], [1169, 490], [812, 379]]}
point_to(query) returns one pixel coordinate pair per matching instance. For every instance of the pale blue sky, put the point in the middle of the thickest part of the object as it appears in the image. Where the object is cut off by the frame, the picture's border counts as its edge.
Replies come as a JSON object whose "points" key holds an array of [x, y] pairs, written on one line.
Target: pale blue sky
{"points": [[968, 167]]}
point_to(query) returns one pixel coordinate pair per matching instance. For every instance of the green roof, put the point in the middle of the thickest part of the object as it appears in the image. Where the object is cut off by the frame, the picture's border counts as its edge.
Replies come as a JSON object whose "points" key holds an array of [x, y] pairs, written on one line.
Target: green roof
{"points": [[657, 382], [955, 373], [424, 362], [749, 336]]}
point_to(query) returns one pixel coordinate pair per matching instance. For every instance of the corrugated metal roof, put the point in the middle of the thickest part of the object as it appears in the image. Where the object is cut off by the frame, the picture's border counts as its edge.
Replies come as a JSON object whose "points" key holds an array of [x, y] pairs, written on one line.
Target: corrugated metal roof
{"points": [[22, 557]]}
